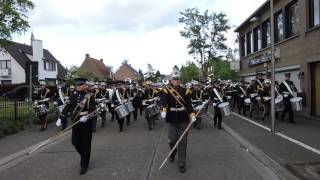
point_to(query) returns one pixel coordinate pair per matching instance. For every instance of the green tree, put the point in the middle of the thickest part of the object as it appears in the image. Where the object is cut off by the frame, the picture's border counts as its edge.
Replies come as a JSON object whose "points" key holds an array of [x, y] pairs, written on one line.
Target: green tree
{"points": [[206, 34], [221, 69], [13, 17], [189, 72], [72, 74]]}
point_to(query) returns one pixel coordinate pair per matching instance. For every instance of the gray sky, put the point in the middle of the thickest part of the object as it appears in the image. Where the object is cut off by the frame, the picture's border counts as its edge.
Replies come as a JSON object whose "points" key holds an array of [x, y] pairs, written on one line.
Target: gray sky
{"points": [[142, 31]]}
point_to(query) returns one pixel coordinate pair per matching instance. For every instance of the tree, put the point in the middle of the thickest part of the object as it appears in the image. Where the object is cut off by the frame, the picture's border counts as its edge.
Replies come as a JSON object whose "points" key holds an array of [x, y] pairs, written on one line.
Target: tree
{"points": [[206, 34], [221, 69], [189, 72], [141, 75], [13, 17], [72, 74]]}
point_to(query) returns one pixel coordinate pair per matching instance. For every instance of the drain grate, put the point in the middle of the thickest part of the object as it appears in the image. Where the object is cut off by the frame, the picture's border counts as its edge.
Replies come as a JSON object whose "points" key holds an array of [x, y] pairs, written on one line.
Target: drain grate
{"points": [[310, 170]]}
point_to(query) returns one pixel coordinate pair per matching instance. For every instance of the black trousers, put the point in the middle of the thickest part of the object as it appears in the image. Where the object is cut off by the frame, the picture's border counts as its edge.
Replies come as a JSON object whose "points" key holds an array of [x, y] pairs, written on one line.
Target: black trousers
{"points": [[120, 122], [103, 118], [64, 122], [287, 109], [241, 106], [197, 124], [81, 140], [141, 109], [44, 120], [217, 119]]}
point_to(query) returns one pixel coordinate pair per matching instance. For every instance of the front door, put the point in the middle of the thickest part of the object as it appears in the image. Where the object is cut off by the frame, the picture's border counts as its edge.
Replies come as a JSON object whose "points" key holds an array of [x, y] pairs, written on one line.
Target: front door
{"points": [[316, 75]]}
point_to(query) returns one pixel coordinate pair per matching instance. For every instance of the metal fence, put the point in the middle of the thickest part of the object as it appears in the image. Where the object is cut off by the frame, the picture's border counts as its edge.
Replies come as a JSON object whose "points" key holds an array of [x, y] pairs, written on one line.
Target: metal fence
{"points": [[13, 110]]}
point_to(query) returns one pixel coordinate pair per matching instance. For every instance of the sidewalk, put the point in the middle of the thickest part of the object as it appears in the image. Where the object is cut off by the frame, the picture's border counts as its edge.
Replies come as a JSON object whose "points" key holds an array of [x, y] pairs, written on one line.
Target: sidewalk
{"points": [[299, 160]]}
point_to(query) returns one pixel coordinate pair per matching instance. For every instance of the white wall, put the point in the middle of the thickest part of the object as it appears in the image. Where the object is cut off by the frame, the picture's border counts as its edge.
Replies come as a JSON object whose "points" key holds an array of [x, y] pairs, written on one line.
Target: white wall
{"points": [[37, 50], [18, 73]]}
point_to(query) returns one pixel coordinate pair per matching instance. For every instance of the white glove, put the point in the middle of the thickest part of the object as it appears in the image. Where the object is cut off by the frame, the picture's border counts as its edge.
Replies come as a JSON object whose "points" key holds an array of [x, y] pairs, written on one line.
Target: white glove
{"points": [[214, 104], [58, 123], [83, 119], [163, 114], [193, 118]]}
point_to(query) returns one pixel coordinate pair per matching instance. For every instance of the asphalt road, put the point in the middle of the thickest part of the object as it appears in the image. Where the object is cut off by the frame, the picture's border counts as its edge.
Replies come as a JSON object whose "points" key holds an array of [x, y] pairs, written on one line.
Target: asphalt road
{"points": [[137, 154]]}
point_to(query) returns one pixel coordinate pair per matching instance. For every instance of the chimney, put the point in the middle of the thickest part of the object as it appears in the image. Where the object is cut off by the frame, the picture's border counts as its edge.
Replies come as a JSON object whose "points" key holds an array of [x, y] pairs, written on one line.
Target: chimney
{"points": [[101, 60], [87, 56]]}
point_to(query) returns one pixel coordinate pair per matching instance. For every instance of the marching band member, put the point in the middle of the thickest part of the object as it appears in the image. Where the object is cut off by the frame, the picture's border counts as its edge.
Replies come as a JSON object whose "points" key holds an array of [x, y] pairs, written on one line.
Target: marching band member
{"points": [[177, 117], [252, 91], [242, 95], [265, 94], [117, 100], [287, 88], [198, 98], [102, 93], [43, 98], [81, 105], [217, 98]]}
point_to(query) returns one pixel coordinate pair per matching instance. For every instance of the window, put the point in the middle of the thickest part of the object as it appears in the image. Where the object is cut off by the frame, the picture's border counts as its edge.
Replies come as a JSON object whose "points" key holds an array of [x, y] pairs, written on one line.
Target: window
{"points": [[279, 33], [243, 46], [266, 34], [257, 39], [292, 19], [6, 82], [249, 42], [49, 66], [314, 13], [6, 64]]}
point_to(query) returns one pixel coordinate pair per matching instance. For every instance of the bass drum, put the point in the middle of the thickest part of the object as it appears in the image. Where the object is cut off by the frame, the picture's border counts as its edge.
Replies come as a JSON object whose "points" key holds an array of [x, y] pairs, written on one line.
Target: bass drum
{"points": [[121, 111]]}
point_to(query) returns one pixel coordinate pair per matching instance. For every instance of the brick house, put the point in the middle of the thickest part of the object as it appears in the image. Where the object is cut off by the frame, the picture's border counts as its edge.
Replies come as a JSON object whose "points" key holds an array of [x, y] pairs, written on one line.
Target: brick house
{"points": [[95, 69], [126, 71], [297, 46]]}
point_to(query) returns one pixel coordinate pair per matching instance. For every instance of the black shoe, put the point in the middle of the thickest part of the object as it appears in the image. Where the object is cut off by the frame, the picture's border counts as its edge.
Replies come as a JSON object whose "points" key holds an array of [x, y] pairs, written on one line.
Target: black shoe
{"points": [[42, 129], [102, 125], [182, 168], [83, 171]]}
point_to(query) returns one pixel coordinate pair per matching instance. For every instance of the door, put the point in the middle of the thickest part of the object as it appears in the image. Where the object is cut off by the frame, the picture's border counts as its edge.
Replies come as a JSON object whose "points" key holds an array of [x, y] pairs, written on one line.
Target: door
{"points": [[317, 88]]}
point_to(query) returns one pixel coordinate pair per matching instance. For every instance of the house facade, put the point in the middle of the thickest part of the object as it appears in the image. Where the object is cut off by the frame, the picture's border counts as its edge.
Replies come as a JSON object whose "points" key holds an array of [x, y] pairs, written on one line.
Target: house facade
{"points": [[95, 69], [297, 46], [18, 60], [126, 71]]}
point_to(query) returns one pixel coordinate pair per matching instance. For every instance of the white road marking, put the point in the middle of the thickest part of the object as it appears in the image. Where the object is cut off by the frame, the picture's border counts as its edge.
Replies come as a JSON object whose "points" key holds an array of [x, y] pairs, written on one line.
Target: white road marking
{"points": [[299, 143]]}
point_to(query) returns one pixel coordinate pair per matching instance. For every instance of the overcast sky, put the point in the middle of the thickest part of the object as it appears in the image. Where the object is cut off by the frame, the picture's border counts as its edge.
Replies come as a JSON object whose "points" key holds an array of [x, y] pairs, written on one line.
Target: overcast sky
{"points": [[142, 31]]}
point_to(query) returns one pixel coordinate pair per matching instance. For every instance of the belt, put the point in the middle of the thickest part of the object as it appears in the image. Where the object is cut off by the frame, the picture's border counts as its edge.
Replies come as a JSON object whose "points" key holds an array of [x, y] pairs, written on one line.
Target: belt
{"points": [[177, 109], [83, 113]]}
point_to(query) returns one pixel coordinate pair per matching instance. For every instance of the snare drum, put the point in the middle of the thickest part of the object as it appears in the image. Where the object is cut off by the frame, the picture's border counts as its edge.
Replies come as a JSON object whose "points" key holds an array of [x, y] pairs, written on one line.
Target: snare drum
{"points": [[129, 106], [152, 110], [121, 111], [247, 101], [224, 109], [41, 110], [296, 103], [279, 103]]}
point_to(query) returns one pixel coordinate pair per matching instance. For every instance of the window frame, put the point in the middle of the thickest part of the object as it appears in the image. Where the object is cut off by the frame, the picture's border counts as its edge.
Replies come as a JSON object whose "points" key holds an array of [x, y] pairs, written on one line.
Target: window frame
{"points": [[288, 20], [276, 31]]}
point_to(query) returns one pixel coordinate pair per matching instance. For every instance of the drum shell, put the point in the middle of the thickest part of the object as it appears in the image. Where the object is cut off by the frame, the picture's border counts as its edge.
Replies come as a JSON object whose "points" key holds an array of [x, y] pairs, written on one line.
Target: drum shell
{"points": [[121, 111], [279, 104], [152, 110], [41, 110], [247, 101], [224, 109], [129, 106], [296, 103]]}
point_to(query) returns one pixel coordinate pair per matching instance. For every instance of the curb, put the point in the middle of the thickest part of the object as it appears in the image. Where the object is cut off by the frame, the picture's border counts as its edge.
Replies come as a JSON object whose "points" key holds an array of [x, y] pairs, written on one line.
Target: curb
{"points": [[259, 155]]}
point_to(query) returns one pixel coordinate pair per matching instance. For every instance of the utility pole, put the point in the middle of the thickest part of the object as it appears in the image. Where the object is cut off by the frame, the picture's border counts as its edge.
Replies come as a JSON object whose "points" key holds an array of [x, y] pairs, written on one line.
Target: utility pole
{"points": [[272, 69]]}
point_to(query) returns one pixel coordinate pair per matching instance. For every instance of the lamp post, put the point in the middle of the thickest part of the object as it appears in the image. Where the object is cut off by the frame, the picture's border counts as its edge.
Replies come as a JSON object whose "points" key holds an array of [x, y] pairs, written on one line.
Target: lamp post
{"points": [[272, 69]]}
